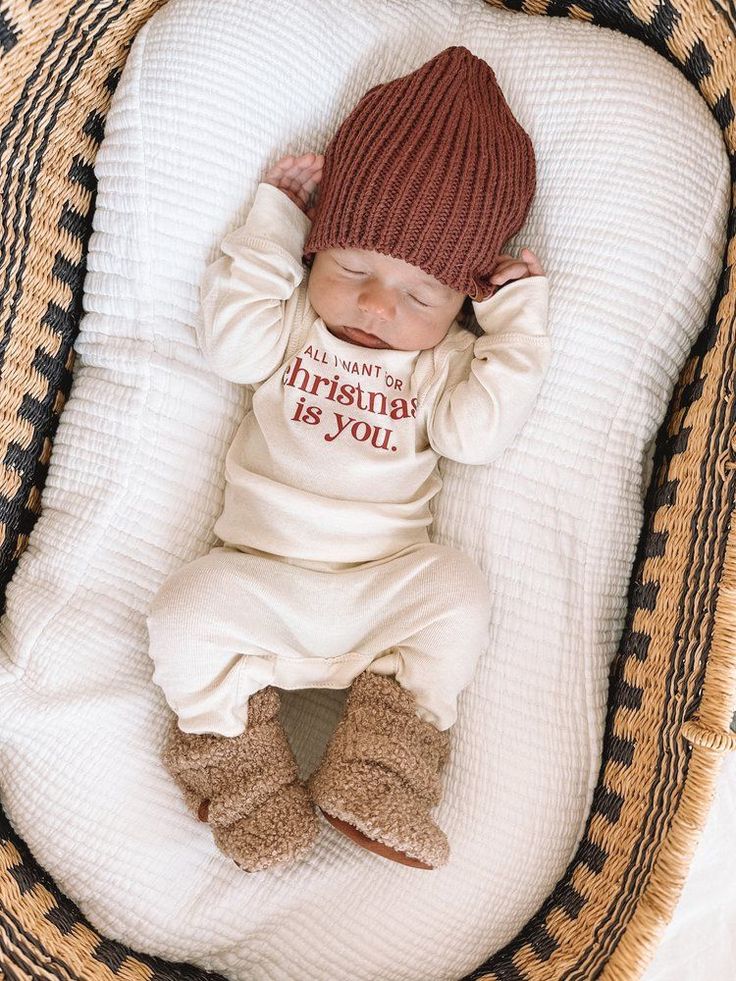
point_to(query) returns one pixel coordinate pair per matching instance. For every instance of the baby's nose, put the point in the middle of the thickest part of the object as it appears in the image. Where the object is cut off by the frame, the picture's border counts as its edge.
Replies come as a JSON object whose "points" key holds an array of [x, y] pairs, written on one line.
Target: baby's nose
{"points": [[378, 300]]}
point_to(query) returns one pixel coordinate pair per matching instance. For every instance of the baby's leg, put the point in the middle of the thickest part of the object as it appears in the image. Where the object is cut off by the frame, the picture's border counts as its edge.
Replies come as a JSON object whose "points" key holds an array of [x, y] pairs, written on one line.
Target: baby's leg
{"points": [[380, 776], [228, 753], [201, 623], [442, 615]]}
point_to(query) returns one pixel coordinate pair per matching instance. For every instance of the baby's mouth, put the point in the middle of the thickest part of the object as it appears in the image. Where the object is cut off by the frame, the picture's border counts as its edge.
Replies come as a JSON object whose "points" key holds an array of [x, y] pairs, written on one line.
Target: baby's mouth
{"points": [[366, 340]]}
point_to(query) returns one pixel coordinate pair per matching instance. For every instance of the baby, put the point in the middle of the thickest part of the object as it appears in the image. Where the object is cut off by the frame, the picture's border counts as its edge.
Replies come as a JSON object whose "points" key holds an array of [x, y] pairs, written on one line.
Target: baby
{"points": [[363, 378]]}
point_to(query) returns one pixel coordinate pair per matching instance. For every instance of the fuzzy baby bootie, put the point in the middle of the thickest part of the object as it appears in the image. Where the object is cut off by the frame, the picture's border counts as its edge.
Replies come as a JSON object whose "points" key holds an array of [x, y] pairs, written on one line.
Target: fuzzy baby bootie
{"points": [[380, 775], [247, 787]]}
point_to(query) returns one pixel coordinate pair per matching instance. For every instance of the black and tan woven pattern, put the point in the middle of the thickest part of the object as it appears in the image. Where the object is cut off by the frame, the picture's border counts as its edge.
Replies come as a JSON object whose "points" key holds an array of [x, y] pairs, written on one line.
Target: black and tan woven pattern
{"points": [[44, 937], [59, 64], [671, 701]]}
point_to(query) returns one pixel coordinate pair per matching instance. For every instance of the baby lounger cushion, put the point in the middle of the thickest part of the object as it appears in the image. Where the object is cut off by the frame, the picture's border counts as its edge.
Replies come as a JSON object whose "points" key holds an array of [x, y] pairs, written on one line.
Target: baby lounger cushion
{"points": [[629, 223]]}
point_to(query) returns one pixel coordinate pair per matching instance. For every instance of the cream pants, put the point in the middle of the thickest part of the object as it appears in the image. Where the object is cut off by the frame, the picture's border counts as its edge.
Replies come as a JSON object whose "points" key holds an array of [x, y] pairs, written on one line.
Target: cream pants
{"points": [[237, 620]]}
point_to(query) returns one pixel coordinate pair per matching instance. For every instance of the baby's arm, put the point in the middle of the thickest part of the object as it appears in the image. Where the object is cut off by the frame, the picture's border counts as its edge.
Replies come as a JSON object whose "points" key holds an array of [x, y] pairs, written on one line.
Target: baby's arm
{"points": [[244, 333], [474, 420]]}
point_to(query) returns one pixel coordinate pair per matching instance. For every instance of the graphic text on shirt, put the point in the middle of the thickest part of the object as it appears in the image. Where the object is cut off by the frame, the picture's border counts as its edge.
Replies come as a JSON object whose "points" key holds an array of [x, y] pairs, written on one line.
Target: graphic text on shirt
{"points": [[334, 389]]}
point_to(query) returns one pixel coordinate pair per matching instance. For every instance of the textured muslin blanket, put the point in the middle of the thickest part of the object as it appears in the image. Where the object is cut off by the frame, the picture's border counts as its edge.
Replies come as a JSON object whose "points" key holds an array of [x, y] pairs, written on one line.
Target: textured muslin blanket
{"points": [[629, 223]]}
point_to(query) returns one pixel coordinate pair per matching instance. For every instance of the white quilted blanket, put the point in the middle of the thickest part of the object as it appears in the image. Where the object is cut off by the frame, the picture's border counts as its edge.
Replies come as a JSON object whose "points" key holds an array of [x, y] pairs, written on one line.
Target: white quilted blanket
{"points": [[629, 222]]}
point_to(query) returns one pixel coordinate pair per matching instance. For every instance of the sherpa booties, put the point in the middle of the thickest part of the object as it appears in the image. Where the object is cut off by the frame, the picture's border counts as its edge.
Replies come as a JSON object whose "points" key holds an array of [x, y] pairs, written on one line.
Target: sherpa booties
{"points": [[380, 775], [247, 787]]}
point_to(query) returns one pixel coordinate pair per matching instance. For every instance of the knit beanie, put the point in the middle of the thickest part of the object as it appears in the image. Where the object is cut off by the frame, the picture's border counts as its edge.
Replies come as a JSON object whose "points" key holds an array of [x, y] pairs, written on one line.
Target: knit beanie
{"points": [[432, 168]]}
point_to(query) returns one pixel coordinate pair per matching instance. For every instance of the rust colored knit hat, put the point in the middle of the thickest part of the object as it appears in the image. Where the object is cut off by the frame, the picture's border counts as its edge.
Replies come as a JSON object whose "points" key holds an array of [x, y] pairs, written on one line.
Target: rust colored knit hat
{"points": [[432, 168]]}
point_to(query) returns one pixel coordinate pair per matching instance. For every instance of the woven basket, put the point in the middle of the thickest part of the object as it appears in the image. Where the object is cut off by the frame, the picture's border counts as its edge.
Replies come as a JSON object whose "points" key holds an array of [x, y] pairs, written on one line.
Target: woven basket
{"points": [[672, 693]]}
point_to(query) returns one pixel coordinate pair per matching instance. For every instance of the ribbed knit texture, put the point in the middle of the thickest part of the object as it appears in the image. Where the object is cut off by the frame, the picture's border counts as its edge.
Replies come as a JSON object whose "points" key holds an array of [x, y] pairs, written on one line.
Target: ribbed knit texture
{"points": [[305, 628], [432, 168]]}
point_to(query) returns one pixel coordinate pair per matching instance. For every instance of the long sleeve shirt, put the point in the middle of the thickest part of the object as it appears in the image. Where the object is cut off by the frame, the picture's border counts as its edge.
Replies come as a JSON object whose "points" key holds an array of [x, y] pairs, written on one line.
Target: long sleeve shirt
{"points": [[337, 457]]}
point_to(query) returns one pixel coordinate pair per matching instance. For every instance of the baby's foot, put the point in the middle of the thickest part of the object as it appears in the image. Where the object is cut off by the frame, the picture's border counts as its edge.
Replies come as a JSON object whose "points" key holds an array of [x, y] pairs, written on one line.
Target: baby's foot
{"points": [[246, 787], [380, 775]]}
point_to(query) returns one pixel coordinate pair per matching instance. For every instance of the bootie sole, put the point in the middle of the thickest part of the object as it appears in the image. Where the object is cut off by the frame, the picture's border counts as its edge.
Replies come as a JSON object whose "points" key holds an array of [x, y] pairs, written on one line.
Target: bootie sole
{"points": [[377, 847]]}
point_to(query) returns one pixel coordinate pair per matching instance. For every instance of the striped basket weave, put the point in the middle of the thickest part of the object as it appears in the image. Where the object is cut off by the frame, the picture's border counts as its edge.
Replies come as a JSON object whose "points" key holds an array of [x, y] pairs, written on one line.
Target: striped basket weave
{"points": [[672, 694]]}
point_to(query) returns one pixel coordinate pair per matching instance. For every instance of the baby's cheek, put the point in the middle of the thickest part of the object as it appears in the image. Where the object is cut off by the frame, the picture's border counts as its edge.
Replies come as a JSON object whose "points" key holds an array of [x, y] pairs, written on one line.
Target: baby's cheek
{"points": [[322, 299], [313, 292], [332, 297]]}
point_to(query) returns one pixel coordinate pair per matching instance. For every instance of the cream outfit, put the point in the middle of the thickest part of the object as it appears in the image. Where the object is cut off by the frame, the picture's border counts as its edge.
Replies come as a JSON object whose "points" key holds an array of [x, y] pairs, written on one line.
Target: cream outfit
{"points": [[326, 567]]}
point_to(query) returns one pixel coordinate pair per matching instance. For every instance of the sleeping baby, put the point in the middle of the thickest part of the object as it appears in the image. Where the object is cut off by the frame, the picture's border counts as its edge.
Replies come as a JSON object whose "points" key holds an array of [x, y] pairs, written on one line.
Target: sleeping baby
{"points": [[344, 301]]}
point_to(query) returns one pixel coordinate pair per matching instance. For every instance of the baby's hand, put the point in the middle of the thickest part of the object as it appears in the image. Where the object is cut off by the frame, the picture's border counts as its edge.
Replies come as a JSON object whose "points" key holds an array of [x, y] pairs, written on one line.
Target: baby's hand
{"points": [[298, 178], [507, 268]]}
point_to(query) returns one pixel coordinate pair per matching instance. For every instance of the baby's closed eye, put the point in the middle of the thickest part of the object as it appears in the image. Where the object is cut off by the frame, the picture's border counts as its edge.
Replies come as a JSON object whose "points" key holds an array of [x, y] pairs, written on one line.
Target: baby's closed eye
{"points": [[359, 272]]}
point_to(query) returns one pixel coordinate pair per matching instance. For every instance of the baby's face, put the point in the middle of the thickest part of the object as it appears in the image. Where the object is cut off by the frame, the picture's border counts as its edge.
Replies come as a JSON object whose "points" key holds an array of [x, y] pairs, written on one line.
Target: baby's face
{"points": [[375, 300]]}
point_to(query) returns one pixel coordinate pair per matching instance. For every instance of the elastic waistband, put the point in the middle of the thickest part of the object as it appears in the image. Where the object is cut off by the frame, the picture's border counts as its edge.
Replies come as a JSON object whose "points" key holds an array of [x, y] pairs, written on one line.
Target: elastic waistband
{"points": [[302, 563]]}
